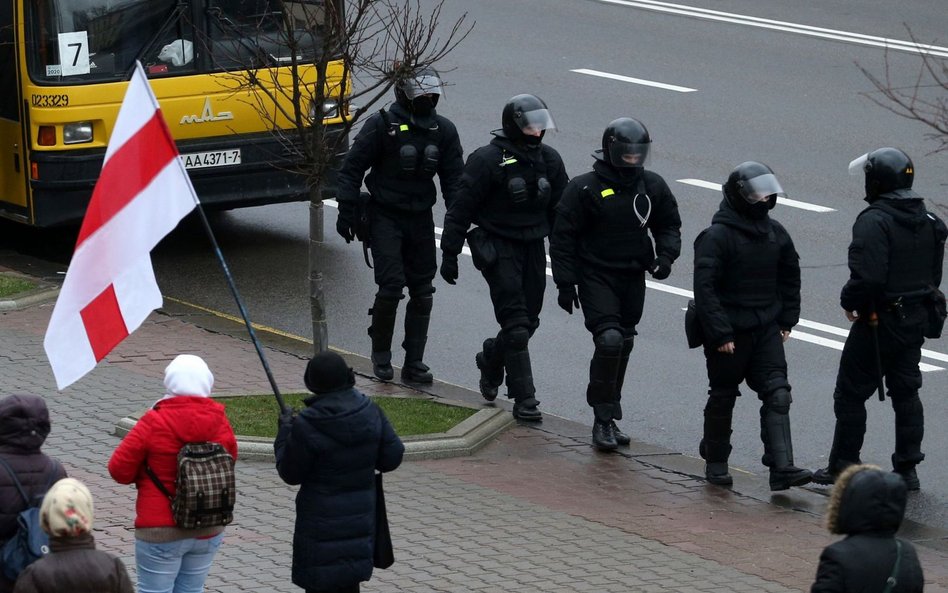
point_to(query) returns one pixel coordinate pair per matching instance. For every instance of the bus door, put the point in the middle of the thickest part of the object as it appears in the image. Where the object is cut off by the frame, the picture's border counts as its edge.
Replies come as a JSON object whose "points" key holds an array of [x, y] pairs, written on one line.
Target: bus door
{"points": [[12, 153]]}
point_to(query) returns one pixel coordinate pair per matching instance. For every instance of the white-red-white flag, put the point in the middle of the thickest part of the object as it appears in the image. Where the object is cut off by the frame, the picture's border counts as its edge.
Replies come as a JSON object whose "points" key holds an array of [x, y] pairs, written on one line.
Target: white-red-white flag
{"points": [[110, 287]]}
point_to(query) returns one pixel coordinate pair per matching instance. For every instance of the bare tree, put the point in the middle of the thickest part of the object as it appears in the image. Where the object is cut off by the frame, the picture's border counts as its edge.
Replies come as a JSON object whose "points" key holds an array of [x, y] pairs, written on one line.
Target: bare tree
{"points": [[922, 98], [340, 58]]}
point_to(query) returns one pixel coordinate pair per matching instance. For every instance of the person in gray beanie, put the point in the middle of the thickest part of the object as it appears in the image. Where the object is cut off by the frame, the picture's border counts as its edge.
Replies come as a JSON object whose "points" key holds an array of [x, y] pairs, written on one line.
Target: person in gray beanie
{"points": [[73, 564], [332, 450]]}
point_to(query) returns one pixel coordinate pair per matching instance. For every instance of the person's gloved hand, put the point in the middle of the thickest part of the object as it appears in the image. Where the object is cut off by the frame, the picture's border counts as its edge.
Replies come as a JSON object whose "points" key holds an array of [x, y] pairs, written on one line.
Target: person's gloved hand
{"points": [[345, 225], [568, 298], [449, 268], [661, 268], [285, 420]]}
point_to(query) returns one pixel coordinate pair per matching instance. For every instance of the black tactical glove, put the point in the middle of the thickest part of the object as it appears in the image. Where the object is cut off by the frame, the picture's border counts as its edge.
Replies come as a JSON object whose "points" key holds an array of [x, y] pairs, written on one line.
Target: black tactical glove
{"points": [[660, 268], [449, 268], [345, 222], [568, 298], [286, 418]]}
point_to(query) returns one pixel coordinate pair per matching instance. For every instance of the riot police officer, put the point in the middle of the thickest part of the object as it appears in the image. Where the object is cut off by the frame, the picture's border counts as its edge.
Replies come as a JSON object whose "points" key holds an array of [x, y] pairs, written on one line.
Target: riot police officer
{"points": [[509, 189], [747, 298], [895, 264], [403, 148], [601, 244]]}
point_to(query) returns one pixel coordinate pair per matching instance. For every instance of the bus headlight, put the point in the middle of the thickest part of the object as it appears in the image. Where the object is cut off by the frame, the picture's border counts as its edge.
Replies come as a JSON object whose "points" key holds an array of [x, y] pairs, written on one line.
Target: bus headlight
{"points": [[330, 110], [77, 133]]}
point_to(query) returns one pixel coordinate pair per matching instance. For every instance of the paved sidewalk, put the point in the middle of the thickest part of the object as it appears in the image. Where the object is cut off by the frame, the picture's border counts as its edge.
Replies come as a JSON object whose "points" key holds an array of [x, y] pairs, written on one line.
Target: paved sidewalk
{"points": [[537, 510]]}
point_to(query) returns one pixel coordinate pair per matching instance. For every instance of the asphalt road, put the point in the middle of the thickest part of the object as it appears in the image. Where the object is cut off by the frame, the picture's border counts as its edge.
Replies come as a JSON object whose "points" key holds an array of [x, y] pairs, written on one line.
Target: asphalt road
{"points": [[764, 89]]}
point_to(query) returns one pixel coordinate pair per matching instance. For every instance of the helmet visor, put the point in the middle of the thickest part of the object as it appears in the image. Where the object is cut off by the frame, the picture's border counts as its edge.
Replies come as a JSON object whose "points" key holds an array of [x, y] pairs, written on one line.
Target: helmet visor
{"points": [[761, 188], [858, 165], [628, 154], [426, 84], [532, 123]]}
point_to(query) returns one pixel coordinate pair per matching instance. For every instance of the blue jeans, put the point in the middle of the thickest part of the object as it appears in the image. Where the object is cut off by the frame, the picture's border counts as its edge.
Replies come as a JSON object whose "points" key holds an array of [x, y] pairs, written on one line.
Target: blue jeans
{"points": [[175, 567]]}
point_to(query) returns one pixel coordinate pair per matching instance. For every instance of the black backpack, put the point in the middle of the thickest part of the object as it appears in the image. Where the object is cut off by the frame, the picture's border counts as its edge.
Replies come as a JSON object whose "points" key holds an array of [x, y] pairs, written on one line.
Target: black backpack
{"points": [[30, 542]]}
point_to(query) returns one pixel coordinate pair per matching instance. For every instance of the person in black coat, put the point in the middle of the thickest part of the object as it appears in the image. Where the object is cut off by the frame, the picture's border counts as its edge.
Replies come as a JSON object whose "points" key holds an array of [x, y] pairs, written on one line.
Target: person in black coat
{"points": [[601, 244], [895, 264], [24, 426], [403, 148], [747, 298], [332, 450], [509, 188], [867, 506]]}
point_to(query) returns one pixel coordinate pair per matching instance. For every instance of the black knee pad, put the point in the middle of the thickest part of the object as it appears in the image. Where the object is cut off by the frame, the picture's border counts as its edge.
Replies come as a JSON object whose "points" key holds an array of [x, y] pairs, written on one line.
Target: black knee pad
{"points": [[609, 342], [420, 291], [778, 400], [419, 305], [848, 410], [721, 401], [389, 293], [907, 407], [516, 338]]}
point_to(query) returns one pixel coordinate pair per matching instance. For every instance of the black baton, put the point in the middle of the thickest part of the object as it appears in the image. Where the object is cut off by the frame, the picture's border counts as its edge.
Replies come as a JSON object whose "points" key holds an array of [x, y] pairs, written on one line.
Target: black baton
{"points": [[874, 330]]}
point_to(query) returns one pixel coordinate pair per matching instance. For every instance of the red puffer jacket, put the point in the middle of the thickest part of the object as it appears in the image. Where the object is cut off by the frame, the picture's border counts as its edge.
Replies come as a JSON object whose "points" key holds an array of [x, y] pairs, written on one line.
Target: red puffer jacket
{"points": [[155, 440]]}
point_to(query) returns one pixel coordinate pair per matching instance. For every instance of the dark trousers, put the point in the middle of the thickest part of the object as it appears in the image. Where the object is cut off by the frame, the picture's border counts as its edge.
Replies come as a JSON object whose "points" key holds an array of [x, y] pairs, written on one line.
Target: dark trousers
{"points": [[758, 359], [403, 252], [611, 298], [517, 280], [900, 343]]}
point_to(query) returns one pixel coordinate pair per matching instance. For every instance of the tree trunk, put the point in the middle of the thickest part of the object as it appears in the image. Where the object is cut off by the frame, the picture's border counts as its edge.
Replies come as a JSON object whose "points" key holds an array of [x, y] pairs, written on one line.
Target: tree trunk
{"points": [[317, 299]]}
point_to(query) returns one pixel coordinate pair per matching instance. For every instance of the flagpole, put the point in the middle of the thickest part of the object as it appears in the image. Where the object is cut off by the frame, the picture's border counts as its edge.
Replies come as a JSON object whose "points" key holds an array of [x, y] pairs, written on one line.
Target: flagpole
{"points": [[240, 306]]}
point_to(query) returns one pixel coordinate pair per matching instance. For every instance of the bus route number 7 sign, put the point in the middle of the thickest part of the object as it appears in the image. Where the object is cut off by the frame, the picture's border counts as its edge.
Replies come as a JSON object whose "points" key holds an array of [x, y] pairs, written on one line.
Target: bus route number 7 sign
{"points": [[74, 53]]}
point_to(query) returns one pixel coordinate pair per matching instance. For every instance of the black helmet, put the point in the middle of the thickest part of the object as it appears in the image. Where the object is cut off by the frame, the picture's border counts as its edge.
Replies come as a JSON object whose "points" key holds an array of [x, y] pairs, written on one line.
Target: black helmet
{"points": [[887, 170], [419, 93], [752, 189], [625, 143], [525, 112]]}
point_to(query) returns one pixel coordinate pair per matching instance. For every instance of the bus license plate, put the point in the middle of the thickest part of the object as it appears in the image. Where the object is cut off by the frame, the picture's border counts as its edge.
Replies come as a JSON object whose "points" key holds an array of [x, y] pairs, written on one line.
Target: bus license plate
{"points": [[213, 158]]}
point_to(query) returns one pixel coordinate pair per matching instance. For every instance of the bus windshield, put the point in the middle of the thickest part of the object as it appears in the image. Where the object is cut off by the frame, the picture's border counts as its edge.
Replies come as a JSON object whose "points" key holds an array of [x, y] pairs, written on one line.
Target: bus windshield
{"points": [[90, 41]]}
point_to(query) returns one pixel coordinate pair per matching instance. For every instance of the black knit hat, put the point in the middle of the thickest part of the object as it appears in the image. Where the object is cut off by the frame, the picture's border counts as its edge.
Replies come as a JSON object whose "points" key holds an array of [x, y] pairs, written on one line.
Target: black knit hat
{"points": [[326, 372]]}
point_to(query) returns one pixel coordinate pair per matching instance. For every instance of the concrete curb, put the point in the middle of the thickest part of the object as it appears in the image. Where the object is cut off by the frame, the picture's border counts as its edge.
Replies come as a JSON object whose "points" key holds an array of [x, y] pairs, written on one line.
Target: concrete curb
{"points": [[464, 439], [44, 292]]}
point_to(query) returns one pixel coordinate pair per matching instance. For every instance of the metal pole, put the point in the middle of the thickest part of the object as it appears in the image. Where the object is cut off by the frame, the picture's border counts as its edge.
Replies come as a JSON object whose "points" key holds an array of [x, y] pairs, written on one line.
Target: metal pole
{"points": [[240, 306]]}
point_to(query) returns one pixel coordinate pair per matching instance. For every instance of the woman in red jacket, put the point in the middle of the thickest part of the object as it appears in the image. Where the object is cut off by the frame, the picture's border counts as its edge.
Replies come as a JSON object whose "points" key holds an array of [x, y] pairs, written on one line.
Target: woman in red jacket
{"points": [[170, 559]]}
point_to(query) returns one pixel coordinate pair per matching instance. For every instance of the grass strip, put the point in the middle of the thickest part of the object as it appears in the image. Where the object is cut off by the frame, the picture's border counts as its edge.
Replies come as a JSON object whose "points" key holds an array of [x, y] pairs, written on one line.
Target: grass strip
{"points": [[256, 415], [11, 285]]}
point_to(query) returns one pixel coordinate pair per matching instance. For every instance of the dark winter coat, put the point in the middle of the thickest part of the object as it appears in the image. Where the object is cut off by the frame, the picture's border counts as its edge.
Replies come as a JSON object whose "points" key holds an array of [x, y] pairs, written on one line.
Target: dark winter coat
{"points": [[332, 450], [867, 505], [24, 426], [75, 566], [377, 147], [484, 199], [896, 251], [747, 276], [598, 223]]}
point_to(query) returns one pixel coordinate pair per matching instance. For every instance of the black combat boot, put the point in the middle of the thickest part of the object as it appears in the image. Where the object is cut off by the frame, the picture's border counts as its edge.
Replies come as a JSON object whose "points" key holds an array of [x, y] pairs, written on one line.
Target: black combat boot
{"points": [[603, 436], [383, 324], [490, 361], [520, 385], [715, 446], [847, 438], [627, 343], [783, 474], [417, 316]]}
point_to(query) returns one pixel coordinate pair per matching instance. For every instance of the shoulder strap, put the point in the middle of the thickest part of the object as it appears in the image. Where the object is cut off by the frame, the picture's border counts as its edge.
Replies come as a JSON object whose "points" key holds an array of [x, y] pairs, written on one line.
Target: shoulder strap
{"points": [[154, 478], [16, 481], [893, 578]]}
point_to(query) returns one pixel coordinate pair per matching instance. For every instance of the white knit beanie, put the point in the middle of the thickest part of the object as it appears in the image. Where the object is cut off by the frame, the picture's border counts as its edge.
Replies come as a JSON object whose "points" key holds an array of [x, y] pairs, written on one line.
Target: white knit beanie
{"points": [[67, 509], [188, 375]]}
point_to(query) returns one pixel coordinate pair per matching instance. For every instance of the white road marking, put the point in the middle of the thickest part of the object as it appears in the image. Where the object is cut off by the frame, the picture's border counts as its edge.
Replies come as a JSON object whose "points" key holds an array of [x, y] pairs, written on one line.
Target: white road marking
{"points": [[780, 202], [808, 30], [803, 336], [652, 83]]}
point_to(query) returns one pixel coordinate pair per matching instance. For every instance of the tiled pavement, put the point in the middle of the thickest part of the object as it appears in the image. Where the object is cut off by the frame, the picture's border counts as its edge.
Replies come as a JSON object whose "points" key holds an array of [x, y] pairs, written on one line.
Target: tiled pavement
{"points": [[535, 511]]}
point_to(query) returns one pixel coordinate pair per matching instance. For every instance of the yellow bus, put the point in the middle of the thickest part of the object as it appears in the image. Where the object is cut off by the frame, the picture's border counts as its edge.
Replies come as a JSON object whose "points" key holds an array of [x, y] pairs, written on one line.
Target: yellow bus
{"points": [[64, 66]]}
